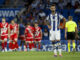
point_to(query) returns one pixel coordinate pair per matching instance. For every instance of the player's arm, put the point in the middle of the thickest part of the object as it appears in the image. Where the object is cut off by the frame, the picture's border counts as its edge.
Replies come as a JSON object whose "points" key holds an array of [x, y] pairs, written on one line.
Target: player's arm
{"points": [[66, 30], [41, 34], [9, 31], [18, 30], [25, 33], [64, 21], [48, 23], [76, 31]]}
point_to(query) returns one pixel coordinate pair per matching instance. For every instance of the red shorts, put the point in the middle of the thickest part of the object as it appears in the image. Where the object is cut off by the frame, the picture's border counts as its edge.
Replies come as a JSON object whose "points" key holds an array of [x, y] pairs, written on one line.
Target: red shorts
{"points": [[29, 39], [4, 37], [38, 40], [14, 37], [22, 37]]}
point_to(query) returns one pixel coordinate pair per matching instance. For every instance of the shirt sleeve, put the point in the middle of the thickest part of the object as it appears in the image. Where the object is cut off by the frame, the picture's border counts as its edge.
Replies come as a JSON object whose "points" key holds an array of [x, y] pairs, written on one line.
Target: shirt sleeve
{"points": [[75, 25], [66, 25], [47, 18], [61, 16]]}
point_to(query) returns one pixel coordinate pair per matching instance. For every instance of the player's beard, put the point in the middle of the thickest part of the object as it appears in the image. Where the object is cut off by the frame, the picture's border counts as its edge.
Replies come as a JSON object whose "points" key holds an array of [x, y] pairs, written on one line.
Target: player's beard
{"points": [[53, 12]]}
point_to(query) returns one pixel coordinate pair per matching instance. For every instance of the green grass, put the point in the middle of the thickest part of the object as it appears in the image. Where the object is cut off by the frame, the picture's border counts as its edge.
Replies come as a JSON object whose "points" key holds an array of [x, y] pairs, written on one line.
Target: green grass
{"points": [[38, 56]]}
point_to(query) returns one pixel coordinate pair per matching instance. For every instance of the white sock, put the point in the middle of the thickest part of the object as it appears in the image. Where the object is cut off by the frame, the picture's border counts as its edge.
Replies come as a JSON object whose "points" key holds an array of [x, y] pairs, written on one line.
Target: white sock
{"points": [[19, 47], [59, 51], [55, 52]]}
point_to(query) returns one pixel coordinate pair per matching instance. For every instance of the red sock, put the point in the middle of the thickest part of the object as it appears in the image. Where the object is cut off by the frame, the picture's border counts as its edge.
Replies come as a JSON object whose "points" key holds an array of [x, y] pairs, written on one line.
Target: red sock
{"points": [[10, 45], [2, 45], [16, 45], [39, 45], [26, 45], [30, 46], [5, 44]]}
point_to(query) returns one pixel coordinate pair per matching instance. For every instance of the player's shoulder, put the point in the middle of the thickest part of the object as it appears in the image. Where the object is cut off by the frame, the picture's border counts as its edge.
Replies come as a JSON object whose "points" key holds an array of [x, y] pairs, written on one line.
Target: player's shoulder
{"points": [[74, 22], [39, 27], [6, 22]]}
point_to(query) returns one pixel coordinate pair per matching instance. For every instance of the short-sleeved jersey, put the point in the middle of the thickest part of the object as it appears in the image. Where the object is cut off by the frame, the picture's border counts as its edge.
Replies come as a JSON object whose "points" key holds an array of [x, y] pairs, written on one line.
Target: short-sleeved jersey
{"points": [[4, 29], [37, 33], [13, 29], [29, 32], [71, 25], [54, 21]]}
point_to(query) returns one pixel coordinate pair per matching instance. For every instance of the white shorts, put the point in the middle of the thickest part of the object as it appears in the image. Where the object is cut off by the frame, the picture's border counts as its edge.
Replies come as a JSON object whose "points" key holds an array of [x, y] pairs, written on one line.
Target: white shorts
{"points": [[54, 35]]}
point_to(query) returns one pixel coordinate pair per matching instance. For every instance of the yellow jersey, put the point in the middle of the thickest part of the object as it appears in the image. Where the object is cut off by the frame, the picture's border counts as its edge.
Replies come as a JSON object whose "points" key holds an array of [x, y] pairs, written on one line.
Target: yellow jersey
{"points": [[70, 25]]}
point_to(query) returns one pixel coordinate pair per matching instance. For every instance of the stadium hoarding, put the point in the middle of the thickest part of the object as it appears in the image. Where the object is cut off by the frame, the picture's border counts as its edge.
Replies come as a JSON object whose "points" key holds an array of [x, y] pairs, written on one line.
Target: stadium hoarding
{"points": [[8, 13]]}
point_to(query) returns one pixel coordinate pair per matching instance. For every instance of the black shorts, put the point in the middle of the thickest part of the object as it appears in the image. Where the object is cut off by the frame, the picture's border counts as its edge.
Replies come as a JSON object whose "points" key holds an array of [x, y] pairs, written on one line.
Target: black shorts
{"points": [[71, 35]]}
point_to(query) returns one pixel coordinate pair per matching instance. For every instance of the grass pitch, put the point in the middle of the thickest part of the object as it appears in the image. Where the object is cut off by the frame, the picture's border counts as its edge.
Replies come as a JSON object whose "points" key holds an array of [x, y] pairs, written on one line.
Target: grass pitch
{"points": [[38, 56]]}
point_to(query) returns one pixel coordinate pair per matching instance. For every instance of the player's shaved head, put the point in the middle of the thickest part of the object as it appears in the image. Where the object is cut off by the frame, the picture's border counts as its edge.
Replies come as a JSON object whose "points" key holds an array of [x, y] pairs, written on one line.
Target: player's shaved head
{"points": [[70, 18]]}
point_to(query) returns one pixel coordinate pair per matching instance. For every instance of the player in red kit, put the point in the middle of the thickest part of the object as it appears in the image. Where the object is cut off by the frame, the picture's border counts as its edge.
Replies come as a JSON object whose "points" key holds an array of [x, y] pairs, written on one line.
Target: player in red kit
{"points": [[13, 34], [37, 36], [29, 35], [4, 34]]}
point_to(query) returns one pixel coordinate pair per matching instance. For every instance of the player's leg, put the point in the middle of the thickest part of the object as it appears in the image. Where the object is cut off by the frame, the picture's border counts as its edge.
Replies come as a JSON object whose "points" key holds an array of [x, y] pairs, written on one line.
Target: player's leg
{"points": [[5, 43], [69, 46], [16, 44], [74, 45], [32, 44], [10, 45], [16, 41], [22, 42], [2, 44], [36, 44], [10, 42], [69, 37], [58, 42], [39, 44], [52, 38], [73, 41], [28, 44]]}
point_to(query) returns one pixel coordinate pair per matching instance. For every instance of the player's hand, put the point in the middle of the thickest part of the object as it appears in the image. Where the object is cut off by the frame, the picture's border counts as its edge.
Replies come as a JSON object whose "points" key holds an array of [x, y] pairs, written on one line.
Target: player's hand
{"points": [[49, 26], [77, 36], [60, 27]]}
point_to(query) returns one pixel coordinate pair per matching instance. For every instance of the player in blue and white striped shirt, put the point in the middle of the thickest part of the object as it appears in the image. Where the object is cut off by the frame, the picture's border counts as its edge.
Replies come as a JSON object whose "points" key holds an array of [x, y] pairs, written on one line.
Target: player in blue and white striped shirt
{"points": [[54, 24]]}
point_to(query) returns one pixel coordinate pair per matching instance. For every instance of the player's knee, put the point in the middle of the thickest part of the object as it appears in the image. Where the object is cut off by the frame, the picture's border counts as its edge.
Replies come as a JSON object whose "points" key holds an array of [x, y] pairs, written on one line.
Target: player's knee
{"points": [[73, 41], [68, 41], [15, 40], [5, 40]]}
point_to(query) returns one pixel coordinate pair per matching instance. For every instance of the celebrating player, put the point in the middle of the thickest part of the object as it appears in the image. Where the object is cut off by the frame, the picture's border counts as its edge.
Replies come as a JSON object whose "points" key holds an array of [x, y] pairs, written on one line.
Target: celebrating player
{"points": [[54, 24], [29, 35], [13, 34], [37, 35], [4, 34]]}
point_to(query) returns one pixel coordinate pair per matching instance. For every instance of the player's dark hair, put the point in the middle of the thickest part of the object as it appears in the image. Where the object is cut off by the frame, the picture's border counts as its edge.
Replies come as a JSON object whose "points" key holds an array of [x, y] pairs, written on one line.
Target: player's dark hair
{"points": [[28, 23], [36, 22], [53, 5], [3, 18]]}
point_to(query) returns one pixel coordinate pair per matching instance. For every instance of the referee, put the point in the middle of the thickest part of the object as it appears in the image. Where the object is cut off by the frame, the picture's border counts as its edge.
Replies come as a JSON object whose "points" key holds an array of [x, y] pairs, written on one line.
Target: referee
{"points": [[71, 32]]}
